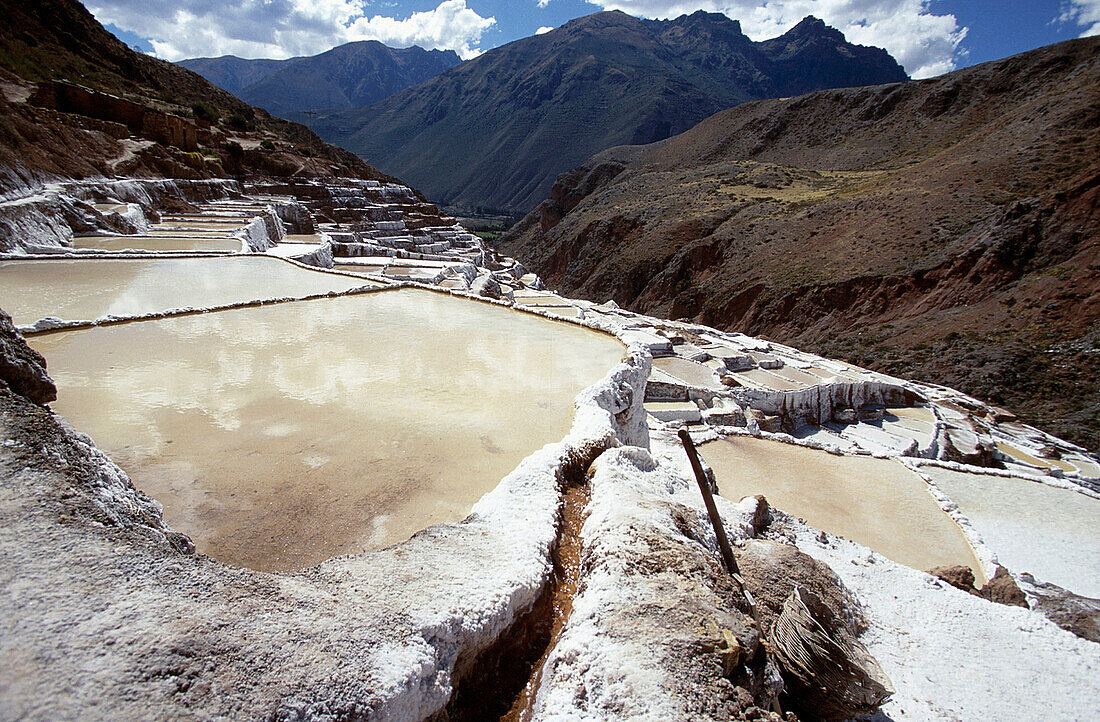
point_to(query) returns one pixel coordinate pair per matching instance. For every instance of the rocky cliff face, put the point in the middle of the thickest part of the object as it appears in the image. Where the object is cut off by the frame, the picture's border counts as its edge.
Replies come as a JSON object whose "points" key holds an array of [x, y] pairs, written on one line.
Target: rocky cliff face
{"points": [[495, 131], [75, 102], [945, 229], [22, 368]]}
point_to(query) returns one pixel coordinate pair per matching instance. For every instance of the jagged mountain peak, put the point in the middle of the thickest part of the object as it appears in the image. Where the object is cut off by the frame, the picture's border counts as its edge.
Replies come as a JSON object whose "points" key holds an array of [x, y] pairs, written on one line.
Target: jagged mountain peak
{"points": [[495, 131], [811, 28]]}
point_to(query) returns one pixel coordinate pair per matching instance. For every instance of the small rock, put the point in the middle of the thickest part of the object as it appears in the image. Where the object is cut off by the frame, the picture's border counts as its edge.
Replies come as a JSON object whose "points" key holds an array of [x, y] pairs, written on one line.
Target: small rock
{"points": [[23, 368], [1002, 589], [845, 416], [771, 571], [1072, 612], [957, 575], [487, 286]]}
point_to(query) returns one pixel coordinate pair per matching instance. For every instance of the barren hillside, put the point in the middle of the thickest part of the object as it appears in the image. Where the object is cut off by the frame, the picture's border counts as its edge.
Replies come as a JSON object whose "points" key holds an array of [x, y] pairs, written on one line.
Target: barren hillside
{"points": [[945, 229]]}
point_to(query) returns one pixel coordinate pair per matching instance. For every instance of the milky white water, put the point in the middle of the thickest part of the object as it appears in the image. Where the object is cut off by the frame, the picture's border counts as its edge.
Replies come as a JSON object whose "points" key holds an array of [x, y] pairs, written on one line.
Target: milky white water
{"points": [[689, 372], [86, 289], [181, 242], [225, 225], [280, 436], [876, 502], [1031, 527], [762, 377]]}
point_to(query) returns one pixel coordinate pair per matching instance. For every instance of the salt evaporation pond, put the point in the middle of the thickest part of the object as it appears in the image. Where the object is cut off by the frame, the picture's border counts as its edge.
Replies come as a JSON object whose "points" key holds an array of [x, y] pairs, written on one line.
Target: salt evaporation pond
{"points": [[83, 289], [1032, 527], [280, 436], [181, 242], [876, 502]]}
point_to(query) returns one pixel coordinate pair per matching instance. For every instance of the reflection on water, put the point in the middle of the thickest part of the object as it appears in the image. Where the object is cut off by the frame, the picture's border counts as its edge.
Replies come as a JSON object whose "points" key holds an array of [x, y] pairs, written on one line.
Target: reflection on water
{"points": [[283, 435], [85, 289], [876, 502]]}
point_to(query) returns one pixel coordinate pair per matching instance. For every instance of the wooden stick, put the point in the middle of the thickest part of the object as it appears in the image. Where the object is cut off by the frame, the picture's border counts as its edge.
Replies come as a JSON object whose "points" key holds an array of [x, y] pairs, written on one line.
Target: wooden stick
{"points": [[720, 532], [708, 499]]}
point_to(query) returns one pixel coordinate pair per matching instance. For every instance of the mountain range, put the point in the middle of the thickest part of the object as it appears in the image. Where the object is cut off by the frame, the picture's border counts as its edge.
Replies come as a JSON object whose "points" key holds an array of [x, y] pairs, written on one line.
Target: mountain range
{"points": [[347, 76], [945, 229], [496, 130]]}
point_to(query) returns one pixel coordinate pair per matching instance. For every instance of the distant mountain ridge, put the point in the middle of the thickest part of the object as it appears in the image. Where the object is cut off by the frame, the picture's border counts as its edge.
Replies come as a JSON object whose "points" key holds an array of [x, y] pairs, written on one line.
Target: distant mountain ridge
{"points": [[231, 73], [496, 130], [347, 76]]}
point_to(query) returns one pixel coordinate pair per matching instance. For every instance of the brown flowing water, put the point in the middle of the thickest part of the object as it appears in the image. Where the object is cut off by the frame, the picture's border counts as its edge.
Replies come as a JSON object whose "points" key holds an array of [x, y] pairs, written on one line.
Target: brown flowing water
{"points": [[280, 436], [876, 502]]}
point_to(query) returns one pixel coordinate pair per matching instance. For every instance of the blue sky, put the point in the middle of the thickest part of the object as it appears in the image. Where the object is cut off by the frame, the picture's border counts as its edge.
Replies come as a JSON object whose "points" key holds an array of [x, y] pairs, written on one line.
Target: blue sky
{"points": [[928, 37]]}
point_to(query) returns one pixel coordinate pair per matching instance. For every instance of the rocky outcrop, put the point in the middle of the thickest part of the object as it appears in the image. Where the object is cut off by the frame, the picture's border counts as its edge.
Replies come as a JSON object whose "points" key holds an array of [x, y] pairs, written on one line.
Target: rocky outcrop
{"points": [[140, 119], [1072, 612], [22, 368], [1001, 589], [101, 109], [296, 217], [772, 570]]}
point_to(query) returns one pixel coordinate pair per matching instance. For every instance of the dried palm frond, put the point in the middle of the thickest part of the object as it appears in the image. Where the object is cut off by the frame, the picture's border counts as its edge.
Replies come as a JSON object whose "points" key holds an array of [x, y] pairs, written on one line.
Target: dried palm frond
{"points": [[828, 671]]}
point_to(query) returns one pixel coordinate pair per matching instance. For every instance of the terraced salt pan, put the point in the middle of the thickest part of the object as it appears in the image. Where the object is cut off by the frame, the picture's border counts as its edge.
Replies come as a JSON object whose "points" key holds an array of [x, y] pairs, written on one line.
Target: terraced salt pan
{"points": [[1032, 527], [110, 207], [689, 372], [86, 289], [766, 379], [540, 299], [876, 502], [280, 436], [796, 376], [158, 243], [219, 225], [360, 268], [163, 230], [1029, 459], [920, 431], [919, 414], [560, 311]]}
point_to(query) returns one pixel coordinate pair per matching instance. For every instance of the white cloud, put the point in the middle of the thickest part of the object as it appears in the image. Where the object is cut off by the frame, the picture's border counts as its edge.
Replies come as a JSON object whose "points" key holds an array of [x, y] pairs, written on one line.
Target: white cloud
{"points": [[924, 43], [1084, 13], [543, 30], [284, 28]]}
